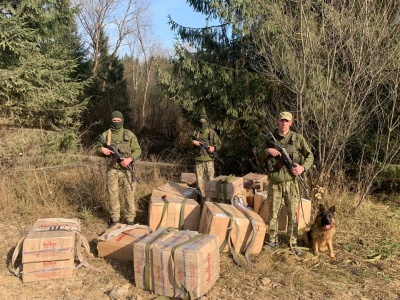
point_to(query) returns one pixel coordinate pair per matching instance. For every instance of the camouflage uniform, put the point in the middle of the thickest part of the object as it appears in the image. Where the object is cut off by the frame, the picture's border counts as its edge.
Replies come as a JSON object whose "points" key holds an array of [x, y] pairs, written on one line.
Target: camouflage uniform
{"points": [[283, 186], [127, 144], [204, 163]]}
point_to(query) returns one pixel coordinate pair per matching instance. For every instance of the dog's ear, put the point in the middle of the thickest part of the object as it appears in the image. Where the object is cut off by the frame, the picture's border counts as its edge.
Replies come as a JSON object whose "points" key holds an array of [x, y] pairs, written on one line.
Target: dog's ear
{"points": [[332, 209], [321, 207]]}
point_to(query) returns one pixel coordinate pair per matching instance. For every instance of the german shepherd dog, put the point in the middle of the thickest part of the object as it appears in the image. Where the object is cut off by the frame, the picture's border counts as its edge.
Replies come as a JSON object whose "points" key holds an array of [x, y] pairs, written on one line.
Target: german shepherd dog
{"points": [[320, 236]]}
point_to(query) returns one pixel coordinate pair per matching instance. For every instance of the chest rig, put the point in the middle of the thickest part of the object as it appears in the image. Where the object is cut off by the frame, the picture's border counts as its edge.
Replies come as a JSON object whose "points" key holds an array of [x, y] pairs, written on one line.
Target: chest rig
{"points": [[291, 146], [120, 140]]}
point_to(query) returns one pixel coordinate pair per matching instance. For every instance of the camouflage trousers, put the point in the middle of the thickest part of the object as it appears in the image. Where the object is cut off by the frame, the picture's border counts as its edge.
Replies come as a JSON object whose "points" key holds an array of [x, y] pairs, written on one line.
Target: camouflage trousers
{"points": [[287, 194], [116, 178], [204, 172]]}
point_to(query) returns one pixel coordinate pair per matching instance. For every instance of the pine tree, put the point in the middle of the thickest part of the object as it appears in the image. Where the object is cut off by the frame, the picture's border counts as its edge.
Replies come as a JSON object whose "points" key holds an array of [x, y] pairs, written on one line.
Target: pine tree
{"points": [[39, 57]]}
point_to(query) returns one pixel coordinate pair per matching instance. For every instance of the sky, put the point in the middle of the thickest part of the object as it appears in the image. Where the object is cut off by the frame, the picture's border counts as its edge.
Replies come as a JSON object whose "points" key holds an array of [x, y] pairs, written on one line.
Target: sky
{"points": [[180, 12]]}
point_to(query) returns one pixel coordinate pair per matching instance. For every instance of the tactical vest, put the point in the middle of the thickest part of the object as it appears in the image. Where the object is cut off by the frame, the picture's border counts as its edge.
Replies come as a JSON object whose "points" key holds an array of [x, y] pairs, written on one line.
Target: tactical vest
{"points": [[120, 140], [291, 144], [208, 135]]}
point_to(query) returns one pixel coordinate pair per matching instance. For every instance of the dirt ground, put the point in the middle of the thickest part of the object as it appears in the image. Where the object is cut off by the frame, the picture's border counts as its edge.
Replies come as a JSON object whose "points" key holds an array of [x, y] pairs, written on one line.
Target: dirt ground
{"points": [[356, 273]]}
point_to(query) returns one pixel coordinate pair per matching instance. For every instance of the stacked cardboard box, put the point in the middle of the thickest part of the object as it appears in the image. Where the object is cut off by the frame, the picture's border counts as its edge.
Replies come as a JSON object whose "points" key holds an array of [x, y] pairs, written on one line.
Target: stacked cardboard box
{"points": [[261, 205], [223, 187], [117, 241], [172, 205], [49, 250], [189, 178], [255, 233], [218, 218], [177, 263], [177, 190], [174, 212], [255, 181], [303, 215]]}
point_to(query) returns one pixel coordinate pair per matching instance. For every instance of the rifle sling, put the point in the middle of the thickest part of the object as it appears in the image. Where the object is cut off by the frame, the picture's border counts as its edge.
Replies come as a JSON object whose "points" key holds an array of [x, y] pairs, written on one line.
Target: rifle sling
{"points": [[109, 137]]}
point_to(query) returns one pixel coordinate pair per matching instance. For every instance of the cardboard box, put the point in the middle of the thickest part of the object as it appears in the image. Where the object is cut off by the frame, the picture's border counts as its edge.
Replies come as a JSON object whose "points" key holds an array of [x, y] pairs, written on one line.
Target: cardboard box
{"points": [[196, 267], [143, 258], [240, 198], [261, 206], [175, 190], [189, 178], [256, 234], [49, 240], [216, 222], [46, 270], [171, 211], [117, 242], [256, 181], [171, 263], [249, 197], [223, 187], [302, 221]]}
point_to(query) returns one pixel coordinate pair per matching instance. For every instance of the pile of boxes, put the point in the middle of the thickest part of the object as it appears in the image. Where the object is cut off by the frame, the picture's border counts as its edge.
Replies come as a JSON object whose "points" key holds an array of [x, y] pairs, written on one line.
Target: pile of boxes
{"points": [[178, 253]]}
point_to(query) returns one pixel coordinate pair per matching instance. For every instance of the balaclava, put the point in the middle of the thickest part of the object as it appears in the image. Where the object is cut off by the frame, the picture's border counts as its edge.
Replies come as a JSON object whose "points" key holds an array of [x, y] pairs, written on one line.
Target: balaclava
{"points": [[203, 125], [117, 125]]}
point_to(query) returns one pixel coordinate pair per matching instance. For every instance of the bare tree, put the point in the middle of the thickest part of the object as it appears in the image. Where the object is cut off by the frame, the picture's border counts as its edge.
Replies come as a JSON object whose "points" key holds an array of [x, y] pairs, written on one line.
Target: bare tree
{"points": [[143, 49], [118, 18], [336, 57]]}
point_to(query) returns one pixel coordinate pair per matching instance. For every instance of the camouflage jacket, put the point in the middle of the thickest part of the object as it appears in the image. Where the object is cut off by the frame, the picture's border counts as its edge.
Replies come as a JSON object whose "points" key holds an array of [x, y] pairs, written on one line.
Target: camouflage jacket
{"points": [[126, 143], [211, 137], [298, 150]]}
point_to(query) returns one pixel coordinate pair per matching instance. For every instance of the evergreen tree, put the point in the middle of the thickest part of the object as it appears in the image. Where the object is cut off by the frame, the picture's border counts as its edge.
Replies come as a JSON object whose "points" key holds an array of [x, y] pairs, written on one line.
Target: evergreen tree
{"points": [[213, 72], [39, 85]]}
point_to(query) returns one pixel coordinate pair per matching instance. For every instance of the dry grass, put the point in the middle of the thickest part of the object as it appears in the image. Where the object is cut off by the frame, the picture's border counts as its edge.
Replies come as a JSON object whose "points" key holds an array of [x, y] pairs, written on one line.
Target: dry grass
{"points": [[367, 242]]}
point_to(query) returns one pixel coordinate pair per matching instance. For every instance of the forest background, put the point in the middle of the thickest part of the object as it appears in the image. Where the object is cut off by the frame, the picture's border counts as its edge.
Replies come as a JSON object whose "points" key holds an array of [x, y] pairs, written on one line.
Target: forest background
{"points": [[333, 64]]}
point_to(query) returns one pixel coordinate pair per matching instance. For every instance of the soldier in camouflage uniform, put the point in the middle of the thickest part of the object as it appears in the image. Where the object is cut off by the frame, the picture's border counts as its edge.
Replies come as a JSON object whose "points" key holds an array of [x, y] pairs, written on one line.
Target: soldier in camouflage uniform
{"points": [[128, 146], [283, 186], [204, 163]]}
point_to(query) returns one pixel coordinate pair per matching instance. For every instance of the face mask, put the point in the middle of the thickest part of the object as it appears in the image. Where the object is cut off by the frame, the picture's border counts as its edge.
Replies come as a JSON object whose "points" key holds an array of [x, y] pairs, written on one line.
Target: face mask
{"points": [[117, 125], [203, 125]]}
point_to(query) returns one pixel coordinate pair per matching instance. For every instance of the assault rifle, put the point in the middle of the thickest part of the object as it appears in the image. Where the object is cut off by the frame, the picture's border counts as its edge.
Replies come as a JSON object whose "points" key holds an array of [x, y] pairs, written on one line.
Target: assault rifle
{"points": [[117, 158], [205, 147], [288, 161]]}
